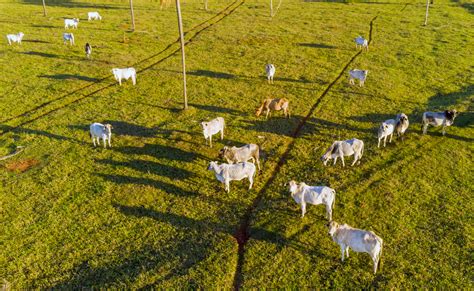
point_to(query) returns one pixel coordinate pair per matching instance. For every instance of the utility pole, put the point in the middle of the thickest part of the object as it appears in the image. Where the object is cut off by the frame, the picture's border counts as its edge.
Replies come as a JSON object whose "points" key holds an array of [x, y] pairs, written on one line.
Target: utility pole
{"points": [[44, 8], [133, 15], [183, 60]]}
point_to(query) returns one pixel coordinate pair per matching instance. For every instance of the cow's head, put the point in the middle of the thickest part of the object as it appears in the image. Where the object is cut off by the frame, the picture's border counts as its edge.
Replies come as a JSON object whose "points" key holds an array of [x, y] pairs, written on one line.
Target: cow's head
{"points": [[223, 151], [332, 228], [451, 114], [327, 155], [108, 128], [293, 187], [211, 166], [21, 34], [258, 111]]}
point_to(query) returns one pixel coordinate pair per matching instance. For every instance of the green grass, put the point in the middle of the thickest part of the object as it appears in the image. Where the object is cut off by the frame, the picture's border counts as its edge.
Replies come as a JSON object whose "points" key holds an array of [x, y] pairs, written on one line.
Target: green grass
{"points": [[147, 213]]}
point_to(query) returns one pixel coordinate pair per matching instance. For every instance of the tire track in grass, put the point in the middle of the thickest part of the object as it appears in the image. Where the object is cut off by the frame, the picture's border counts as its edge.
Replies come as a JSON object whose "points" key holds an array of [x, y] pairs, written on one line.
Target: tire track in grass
{"points": [[196, 30], [242, 235]]}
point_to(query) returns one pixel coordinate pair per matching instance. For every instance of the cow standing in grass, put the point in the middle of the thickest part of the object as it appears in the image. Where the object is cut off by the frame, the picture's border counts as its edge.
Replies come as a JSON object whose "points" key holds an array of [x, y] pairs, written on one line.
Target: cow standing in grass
{"points": [[385, 131], [15, 38], [362, 43], [101, 131], [340, 149], [209, 128], [270, 71], [235, 172], [361, 75], [303, 194], [276, 104], [402, 124], [435, 119]]}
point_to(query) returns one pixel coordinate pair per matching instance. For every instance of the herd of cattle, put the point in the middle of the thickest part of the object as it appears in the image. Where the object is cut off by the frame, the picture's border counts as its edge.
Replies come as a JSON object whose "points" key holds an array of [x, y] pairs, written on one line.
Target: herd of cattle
{"points": [[238, 167]]}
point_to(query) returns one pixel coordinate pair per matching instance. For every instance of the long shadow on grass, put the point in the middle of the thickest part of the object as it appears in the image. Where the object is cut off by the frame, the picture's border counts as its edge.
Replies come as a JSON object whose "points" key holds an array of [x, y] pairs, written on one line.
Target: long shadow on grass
{"points": [[443, 102], [162, 152], [71, 4], [210, 108], [151, 167], [317, 45], [36, 41], [41, 54], [468, 6], [69, 77], [4, 128]]}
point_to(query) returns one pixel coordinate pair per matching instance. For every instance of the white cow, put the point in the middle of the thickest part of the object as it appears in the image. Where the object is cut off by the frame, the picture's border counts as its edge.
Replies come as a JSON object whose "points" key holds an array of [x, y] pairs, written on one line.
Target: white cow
{"points": [[402, 124], [340, 149], [15, 38], [71, 22], [270, 70], [233, 172], [93, 16], [358, 240], [386, 130], [88, 50], [315, 195], [212, 127], [444, 119], [101, 131], [361, 75], [126, 74], [242, 154], [68, 37], [362, 42]]}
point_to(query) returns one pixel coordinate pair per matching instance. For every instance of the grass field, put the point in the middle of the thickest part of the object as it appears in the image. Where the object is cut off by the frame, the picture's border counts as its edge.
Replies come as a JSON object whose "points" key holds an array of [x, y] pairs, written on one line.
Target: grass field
{"points": [[146, 212]]}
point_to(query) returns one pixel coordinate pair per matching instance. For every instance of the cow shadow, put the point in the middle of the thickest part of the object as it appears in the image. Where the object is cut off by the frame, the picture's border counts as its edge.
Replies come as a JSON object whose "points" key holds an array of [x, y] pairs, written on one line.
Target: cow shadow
{"points": [[41, 54], [150, 167], [162, 152], [36, 40], [317, 45], [211, 74], [277, 124], [468, 6], [443, 102], [375, 118], [69, 77], [44, 26], [126, 128], [19, 130]]}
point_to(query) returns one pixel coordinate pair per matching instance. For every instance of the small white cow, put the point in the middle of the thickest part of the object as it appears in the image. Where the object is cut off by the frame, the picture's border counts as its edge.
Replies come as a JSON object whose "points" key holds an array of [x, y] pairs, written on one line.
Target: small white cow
{"points": [[444, 119], [361, 75], [362, 42], [402, 124], [126, 74], [209, 128], [234, 172], [242, 154], [340, 149], [386, 130], [68, 37], [93, 16], [15, 38], [71, 22], [88, 50], [270, 70], [358, 240], [315, 195], [101, 131]]}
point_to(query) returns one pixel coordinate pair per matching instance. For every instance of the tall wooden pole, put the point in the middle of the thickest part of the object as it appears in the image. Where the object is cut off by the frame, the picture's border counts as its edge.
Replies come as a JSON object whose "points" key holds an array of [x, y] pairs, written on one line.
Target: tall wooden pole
{"points": [[133, 15], [427, 8], [44, 8], [183, 60]]}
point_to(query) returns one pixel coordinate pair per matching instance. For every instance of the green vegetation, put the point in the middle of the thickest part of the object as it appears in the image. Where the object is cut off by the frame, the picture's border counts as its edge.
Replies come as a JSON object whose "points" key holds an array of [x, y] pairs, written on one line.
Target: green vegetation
{"points": [[147, 213]]}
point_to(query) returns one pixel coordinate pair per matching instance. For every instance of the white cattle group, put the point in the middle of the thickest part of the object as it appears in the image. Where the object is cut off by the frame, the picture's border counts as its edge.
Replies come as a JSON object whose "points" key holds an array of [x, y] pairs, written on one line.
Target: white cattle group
{"points": [[126, 74], [238, 166], [15, 38]]}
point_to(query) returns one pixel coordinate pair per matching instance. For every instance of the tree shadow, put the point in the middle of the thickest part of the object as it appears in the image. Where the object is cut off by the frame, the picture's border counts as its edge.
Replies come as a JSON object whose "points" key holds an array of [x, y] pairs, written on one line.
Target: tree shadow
{"points": [[41, 54], [213, 108], [162, 152], [317, 45], [151, 167], [69, 77]]}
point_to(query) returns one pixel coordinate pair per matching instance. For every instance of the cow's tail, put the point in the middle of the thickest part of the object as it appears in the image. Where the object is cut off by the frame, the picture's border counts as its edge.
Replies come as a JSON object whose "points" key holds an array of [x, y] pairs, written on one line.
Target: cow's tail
{"points": [[333, 198], [380, 240], [422, 122]]}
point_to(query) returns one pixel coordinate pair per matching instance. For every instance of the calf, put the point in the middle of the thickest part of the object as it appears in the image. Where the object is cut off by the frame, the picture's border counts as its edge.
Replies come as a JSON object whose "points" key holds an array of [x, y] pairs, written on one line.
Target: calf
{"points": [[15, 38], [358, 240], [126, 74], [361, 75], [93, 16], [88, 50], [339, 149], [402, 124], [101, 131], [385, 131], [71, 22], [212, 127], [276, 104], [444, 119], [362, 42], [315, 195], [68, 37], [270, 70], [236, 172], [242, 154]]}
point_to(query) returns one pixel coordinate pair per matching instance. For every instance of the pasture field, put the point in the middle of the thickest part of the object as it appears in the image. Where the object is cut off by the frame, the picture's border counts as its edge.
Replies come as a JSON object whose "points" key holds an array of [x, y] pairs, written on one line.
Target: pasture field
{"points": [[146, 212]]}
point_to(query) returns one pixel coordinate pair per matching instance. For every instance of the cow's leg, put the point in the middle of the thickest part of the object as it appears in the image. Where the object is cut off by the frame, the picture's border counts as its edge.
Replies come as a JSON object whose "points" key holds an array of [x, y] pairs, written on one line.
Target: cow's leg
{"points": [[390, 141], [425, 128], [444, 129], [210, 141], [376, 262], [378, 145], [251, 182], [222, 133], [343, 164], [343, 248], [105, 142], [347, 251], [303, 209], [227, 186], [93, 140], [335, 159], [356, 157], [268, 112], [109, 142], [329, 212], [384, 141], [258, 164]]}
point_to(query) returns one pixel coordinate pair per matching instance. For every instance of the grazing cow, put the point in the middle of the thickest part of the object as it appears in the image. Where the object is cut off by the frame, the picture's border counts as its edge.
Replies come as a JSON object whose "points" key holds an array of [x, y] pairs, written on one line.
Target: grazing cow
{"points": [[93, 16], [15, 38], [68, 37], [276, 104], [386, 130], [361, 75], [101, 131], [88, 50], [126, 74], [444, 119], [270, 70], [71, 22], [361, 241], [402, 124], [362, 42], [340, 149], [209, 128], [243, 154], [315, 195], [234, 172]]}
